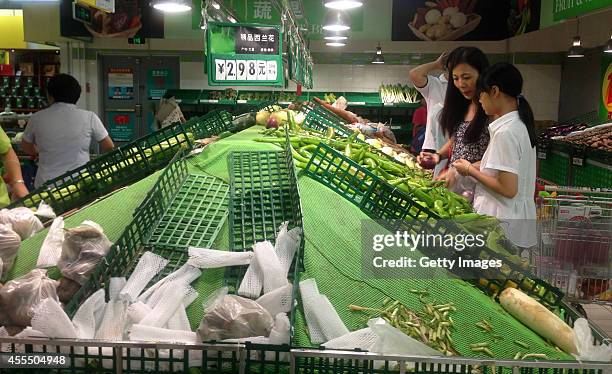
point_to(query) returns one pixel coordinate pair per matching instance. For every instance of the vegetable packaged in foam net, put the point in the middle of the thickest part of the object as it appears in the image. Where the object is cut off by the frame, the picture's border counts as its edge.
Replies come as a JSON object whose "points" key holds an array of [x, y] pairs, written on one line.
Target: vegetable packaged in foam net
{"points": [[82, 250], [22, 220], [235, 317], [9, 246], [20, 296]]}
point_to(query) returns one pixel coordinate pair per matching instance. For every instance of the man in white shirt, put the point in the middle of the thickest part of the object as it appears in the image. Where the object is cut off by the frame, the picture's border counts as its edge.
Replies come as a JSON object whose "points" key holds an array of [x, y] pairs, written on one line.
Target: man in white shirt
{"points": [[433, 90], [61, 134]]}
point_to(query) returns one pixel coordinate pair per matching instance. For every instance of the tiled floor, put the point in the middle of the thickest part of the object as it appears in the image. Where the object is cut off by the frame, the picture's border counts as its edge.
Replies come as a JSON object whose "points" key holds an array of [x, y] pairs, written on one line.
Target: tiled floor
{"points": [[601, 315]]}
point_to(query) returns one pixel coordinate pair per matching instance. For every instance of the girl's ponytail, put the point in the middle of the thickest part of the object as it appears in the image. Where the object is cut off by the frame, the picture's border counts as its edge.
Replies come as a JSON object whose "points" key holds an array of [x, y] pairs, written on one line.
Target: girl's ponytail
{"points": [[526, 115]]}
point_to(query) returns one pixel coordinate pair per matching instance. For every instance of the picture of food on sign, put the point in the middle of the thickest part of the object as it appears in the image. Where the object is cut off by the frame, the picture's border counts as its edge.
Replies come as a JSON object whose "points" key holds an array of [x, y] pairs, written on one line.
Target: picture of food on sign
{"points": [[124, 23], [444, 19]]}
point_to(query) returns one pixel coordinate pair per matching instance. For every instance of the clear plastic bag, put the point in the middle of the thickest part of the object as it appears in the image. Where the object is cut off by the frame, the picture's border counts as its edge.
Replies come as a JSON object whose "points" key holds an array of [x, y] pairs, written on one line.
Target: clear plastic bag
{"points": [[462, 184], [235, 317], [82, 250], [587, 351], [20, 296], [51, 249], [9, 246], [23, 221], [45, 211]]}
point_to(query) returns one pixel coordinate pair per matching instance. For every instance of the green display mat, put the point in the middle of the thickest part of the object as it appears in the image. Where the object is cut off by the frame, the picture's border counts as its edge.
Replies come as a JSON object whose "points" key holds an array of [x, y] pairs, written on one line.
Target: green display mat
{"points": [[332, 227]]}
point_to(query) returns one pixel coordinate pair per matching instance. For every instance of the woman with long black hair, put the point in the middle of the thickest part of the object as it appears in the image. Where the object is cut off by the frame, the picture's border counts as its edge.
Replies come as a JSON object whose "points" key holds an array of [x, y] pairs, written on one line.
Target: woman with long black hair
{"points": [[462, 119], [507, 173]]}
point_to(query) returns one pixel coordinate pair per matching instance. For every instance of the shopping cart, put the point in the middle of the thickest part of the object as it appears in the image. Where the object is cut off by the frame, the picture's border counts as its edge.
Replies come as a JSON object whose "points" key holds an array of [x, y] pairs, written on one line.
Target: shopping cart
{"points": [[575, 248]]}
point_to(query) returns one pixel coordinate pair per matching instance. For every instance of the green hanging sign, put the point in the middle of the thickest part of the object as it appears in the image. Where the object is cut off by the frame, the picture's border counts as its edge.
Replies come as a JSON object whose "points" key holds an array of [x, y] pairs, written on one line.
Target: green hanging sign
{"points": [[563, 9], [240, 54]]}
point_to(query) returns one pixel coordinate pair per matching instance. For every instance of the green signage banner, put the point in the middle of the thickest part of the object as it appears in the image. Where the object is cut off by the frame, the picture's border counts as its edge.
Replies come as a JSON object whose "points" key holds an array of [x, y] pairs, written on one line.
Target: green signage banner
{"points": [[262, 11], [563, 9], [241, 54], [605, 103]]}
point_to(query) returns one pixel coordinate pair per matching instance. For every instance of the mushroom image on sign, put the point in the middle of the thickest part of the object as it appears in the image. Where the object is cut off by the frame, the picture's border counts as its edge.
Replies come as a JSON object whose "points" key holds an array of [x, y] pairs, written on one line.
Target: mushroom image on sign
{"points": [[448, 20]]}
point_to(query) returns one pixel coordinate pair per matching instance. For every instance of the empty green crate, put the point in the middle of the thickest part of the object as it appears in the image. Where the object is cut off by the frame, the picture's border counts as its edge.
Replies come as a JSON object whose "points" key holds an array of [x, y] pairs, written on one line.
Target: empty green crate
{"points": [[119, 167], [263, 195], [320, 118]]}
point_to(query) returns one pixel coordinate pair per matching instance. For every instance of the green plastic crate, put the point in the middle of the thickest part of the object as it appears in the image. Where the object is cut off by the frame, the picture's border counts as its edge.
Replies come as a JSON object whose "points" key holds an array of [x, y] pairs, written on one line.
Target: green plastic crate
{"points": [[263, 195], [114, 169], [211, 124], [320, 118], [399, 211]]}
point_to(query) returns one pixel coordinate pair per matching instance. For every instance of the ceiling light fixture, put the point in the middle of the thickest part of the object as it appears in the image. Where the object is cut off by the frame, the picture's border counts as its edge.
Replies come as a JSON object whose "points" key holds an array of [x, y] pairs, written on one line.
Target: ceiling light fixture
{"points": [[231, 19], [335, 36], [378, 57], [216, 5], [576, 50], [343, 4], [172, 6], [335, 44], [336, 21], [608, 46]]}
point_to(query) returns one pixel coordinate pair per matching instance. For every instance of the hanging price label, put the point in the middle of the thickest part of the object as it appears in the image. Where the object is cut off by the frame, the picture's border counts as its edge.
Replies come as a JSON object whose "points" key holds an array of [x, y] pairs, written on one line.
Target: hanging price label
{"points": [[246, 70], [244, 55]]}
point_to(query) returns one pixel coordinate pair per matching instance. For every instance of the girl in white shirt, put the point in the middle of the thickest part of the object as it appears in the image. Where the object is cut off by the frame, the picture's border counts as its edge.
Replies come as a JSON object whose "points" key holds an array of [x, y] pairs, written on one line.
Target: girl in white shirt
{"points": [[507, 172]]}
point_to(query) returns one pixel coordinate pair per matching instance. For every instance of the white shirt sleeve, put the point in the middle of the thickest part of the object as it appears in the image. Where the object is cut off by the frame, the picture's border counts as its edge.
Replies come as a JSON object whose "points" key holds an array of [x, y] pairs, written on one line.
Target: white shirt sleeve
{"points": [[434, 91], [505, 153], [432, 130], [30, 130], [98, 130]]}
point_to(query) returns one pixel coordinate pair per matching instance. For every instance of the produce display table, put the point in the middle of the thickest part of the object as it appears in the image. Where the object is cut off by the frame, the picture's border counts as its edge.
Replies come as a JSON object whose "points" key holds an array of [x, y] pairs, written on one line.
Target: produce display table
{"points": [[333, 256]]}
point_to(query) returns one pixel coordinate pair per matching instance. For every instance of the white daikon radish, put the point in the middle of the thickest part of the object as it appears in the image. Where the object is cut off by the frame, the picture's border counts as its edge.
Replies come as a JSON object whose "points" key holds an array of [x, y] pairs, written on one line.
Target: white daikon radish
{"points": [[538, 318]]}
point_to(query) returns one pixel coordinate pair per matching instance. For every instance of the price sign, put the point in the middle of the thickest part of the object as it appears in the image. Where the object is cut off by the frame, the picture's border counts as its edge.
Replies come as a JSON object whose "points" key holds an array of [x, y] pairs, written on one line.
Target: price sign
{"points": [[244, 55], [577, 161]]}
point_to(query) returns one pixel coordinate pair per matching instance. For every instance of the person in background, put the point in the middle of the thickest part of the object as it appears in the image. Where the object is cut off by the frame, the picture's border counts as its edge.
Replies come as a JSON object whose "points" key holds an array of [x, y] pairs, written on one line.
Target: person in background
{"points": [[419, 122], [507, 174], [61, 135], [433, 90], [12, 169], [462, 119], [169, 112]]}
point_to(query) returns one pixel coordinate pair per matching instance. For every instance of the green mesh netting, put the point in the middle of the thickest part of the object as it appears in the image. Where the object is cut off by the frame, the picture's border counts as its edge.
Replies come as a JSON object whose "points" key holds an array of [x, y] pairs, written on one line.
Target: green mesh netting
{"points": [[332, 256]]}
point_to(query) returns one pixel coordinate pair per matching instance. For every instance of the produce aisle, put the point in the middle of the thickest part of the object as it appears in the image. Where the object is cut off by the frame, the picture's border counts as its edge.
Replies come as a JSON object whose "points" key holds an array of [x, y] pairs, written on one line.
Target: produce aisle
{"points": [[332, 227]]}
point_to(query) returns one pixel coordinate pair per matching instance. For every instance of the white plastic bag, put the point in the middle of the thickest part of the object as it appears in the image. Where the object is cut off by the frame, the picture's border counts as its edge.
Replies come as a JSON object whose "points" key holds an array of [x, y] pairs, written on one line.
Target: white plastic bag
{"points": [[587, 351], [22, 220], [9, 246], [393, 341], [82, 250], [45, 211], [235, 317], [51, 249], [20, 296]]}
